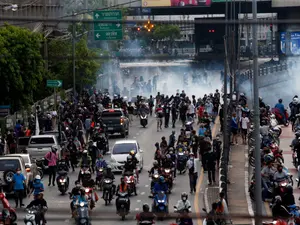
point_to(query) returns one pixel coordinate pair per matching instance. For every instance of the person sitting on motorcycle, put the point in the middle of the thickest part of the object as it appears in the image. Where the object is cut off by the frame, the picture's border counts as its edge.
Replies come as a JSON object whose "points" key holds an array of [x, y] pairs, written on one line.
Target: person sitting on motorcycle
{"points": [[267, 174], [100, 163], [75, 192], [77, 143], [37, 186], [277, 210], [183, 204], [279, 176], [122, 188], [180, 147], [168, 163], [163, 145], [155, 169], [129, 166], [281, 109], [160, 186], [85, 161], [135, 161], [146, 215], [42, 204], [181, 137], [288, 198], [109, 175]]}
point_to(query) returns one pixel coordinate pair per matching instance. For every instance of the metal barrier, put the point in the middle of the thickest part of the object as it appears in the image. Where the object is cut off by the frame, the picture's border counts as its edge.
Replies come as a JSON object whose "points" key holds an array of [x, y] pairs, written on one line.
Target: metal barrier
{"points": [[10, 120]]}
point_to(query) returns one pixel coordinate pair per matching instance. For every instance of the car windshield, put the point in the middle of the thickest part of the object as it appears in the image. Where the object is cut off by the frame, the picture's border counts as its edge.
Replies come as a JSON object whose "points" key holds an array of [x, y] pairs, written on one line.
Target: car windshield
{"points": [[42, 140], [124, 148], [9, 164], [56, 134], [112, 114]]}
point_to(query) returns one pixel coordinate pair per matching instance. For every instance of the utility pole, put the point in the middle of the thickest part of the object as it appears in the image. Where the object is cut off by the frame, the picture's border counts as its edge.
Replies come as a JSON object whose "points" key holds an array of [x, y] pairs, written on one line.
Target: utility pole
{"points": [[73, 55], [45, 38], [258, 198]]}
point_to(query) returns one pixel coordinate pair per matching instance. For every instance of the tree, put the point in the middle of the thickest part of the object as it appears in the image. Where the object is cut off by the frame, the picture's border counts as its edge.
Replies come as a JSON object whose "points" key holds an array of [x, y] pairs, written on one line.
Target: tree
{"points": [[60, 62], [166, 32], [21, 66]]}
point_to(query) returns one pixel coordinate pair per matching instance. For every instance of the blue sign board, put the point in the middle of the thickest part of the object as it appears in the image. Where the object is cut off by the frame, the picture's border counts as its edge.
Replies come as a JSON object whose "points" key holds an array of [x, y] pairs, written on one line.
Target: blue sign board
{"points": [[293, 43], [4, 110]]}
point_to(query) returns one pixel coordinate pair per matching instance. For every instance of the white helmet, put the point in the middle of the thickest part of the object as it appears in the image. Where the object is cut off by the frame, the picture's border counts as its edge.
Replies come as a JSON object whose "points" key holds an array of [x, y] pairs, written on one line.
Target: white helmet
{"points": [[38, 177], [85, 151]]}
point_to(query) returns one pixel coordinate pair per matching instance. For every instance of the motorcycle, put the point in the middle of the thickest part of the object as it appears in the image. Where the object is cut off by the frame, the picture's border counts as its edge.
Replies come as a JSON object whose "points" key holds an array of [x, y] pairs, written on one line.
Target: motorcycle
{"points": [[33, 215], [99, 178], [8, 210], [42, 165], [167, 173], [82, 211], [144, 119], [295, 159], [91, 197], [123, 202], [85, 175], [130, 179], [154, 180], [181, 162], [107, 188], [62, 182], [189, 209], [160, 205]]}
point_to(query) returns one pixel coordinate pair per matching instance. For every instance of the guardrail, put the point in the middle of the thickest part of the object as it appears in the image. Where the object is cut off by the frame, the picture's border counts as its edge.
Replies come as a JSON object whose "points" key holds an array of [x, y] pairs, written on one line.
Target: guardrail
{"points": [[45, 104]]}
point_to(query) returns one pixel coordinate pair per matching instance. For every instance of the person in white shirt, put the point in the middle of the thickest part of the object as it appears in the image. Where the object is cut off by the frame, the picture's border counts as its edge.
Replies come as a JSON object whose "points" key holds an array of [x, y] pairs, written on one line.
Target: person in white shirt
{"points": [[244, 127], [193, 167], [191, 110]]}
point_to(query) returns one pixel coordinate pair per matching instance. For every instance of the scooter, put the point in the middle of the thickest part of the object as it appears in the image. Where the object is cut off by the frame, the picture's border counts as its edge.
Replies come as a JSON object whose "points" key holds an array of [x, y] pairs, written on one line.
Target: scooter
{"points": [[130, 179], [91, 197], [6, 206], [123, 201], [99, 178], [144, 119], [34, 214], [82, 214], [181, 162], [62, 181], [107, 187], [167, 173], [160, 205]]}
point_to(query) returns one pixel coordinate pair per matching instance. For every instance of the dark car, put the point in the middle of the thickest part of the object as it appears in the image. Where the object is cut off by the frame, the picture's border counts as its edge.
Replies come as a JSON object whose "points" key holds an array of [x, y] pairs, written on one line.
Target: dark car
{"points": [[115, 121]]}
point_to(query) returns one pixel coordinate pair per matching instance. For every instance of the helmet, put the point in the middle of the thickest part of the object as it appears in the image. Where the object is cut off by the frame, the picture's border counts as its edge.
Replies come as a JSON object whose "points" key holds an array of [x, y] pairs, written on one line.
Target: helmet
{"points": [[38, 177], [146, 207], [132, 152], [129, 158], [54, 148], [278, 198], [184, 196], [168, 156], [85, 152], [155, 163], [268, 158], [161, 179]]}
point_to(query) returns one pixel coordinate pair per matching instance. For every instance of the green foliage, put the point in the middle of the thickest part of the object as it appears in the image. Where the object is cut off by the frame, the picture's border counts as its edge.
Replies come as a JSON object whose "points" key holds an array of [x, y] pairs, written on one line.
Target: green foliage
{"points": [[166, 32], [60, 62], [21, 66]]}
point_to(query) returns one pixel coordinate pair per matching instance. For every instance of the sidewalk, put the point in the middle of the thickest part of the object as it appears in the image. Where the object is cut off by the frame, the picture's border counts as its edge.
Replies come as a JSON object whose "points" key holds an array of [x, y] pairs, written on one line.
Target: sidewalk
{"points": [[237, 189]]}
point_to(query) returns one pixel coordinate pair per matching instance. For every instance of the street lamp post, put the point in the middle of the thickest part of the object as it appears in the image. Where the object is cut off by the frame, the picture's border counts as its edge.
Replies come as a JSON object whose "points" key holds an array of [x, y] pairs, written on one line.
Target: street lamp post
{"points": [[73, 55]]}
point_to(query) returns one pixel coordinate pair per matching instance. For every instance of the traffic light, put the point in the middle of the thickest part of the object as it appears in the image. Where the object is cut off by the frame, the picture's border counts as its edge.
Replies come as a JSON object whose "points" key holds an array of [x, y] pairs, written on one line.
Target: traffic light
{"points": [[148, 26], [271, 27]]}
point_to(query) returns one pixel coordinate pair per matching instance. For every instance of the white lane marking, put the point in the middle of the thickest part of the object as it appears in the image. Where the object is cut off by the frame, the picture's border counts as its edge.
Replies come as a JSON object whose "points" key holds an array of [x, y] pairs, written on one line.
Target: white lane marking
{"points": [[134, 137], [67, 221], [137, 209], [248, 199], [142, 193], [138, 200], [206, 200], [147, 185]]}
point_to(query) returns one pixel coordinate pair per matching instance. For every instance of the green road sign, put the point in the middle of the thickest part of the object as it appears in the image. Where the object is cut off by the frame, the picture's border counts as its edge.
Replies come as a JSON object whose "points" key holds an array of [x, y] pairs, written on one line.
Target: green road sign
{"points": [[108, 31], [54, 83]]}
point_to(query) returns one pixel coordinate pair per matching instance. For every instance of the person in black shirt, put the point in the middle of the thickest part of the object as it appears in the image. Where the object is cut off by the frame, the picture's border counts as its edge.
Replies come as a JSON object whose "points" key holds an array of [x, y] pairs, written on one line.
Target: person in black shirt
{"points": [[42, 204], [146, 215], [182, 111], [174, 115], [166, 110], [130, 110]]}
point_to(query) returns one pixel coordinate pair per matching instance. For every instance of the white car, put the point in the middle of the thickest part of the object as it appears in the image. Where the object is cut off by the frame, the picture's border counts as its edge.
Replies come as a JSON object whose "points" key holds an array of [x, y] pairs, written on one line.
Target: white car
{"points": [[121, 150]]}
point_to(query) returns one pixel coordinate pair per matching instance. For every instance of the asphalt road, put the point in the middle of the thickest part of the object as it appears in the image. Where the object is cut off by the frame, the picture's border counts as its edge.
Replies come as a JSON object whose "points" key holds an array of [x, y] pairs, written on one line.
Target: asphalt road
{"points": [[59, 205]]}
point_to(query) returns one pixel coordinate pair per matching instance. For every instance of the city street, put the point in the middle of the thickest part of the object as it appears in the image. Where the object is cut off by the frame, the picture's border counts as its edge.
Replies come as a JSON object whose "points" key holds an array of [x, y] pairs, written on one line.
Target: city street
{"points": [[59, 210]]}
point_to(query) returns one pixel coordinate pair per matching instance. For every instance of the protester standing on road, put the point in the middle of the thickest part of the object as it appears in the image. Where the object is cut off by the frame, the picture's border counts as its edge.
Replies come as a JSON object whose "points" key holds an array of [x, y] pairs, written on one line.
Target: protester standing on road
{"points": [[193, 165], [174, 115], [203, 151], [217, 148], [211, 166], [87, 126], [19, 184], [244, 127], [221, 116], [52, 158]]}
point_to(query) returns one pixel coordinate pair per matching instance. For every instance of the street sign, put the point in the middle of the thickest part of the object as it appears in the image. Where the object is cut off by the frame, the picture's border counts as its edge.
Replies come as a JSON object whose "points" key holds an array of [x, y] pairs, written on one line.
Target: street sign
{"points": [[4, 110], [54, 83], [108, 31]]}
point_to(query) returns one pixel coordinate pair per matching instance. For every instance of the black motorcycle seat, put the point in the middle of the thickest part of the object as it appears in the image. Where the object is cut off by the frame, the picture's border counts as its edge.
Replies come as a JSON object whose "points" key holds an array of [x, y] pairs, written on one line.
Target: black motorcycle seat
{"points": [[62, 173]]}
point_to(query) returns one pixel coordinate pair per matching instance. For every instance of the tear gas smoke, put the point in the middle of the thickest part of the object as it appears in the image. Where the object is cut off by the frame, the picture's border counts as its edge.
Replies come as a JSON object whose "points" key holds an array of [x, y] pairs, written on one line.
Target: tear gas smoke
{"points": [[271, 90]]}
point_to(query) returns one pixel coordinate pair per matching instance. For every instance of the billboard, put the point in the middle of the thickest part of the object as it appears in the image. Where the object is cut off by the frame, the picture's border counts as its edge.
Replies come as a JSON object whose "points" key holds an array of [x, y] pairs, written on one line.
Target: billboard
{"points": [[293, 43], [175, 3], [285, 3]]}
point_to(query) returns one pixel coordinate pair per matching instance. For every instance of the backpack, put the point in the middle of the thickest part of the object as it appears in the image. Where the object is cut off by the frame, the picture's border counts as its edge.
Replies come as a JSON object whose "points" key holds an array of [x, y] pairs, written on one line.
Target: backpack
{"points": [[220, 207]]}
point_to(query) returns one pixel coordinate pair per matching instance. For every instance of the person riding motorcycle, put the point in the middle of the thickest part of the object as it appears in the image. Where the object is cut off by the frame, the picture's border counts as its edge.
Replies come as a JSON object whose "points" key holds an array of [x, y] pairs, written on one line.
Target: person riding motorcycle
{"points": [[93, 152], [267, 174], [160, 186], [146, 216], [135, 161], [155, 169], [288, 199], [37, 186], [279, 176], [85, 161], [122, 188], [129, 166], [109, 175], [168, 163], [42, 204], [185, 219], [75, 192], [183, 203]]}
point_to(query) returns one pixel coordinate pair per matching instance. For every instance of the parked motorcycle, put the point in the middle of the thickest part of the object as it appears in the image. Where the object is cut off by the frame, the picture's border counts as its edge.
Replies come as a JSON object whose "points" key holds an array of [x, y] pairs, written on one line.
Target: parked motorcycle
{"points": [[144, 119]]}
